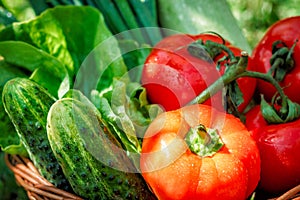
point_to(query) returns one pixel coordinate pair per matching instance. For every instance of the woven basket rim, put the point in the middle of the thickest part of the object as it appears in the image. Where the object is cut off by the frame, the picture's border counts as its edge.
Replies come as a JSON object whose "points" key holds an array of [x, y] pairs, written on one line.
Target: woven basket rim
{"points": [[34, 184], [38, 187]]}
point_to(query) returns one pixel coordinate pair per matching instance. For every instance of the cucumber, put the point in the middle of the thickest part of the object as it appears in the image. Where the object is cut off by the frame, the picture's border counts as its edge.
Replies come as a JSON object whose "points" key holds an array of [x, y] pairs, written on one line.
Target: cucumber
{"points": [[27, 105], [90, 156]]}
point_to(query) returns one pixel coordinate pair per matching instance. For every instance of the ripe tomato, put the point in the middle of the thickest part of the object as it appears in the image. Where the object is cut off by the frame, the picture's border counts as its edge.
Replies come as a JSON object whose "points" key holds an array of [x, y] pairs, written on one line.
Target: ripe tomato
{"points": [[173, 77], [279, 145], [174, 171], [286, 30]]}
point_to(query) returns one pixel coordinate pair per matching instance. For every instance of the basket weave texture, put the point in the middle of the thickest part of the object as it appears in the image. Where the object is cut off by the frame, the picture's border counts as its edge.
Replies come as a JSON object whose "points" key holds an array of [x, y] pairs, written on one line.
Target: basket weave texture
{"points": [[38, 188]]}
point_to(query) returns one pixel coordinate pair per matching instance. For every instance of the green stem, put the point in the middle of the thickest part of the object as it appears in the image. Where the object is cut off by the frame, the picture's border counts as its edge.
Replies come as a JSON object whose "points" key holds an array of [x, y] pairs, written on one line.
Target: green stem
{"points": [[270, 79], [237, 71], [232, 57], [231, 74], [211, 48], [203, 141]]}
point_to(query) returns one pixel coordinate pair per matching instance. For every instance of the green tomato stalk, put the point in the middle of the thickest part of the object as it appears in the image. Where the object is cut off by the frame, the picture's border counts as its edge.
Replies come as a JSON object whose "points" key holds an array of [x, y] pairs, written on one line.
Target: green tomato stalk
{"points": [[288, 111], [203, 141]]}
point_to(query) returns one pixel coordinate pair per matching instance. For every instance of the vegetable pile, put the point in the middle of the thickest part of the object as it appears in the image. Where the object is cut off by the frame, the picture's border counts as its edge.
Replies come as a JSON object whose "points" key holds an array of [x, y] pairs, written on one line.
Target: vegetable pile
{"points": [[115, 103]]}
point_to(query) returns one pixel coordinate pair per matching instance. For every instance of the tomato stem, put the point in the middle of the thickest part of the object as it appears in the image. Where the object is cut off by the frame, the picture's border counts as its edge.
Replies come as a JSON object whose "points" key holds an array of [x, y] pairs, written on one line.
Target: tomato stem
{"points": [[202, 141], [212, 49], [270, 79], [230, 75], [288, 111], [281, 60]]}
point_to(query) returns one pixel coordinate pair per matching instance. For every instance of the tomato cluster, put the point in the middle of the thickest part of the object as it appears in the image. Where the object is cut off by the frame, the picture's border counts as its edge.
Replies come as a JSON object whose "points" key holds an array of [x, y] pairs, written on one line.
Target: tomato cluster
{"points": [[182, 66], [279, 144]]}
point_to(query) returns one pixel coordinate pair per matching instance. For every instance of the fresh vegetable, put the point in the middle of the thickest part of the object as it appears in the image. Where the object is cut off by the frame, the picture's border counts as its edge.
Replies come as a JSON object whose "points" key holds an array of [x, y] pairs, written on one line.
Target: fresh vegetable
{"points": [[67, 43], [127, 113], [191, 59], [9, 141], [173, 77], [278, 144], [29, 48], [27, 104], [64, 38], [275, 122], [92, 159], [120, 16], [197, 152], [278, 53], [41, 67]]}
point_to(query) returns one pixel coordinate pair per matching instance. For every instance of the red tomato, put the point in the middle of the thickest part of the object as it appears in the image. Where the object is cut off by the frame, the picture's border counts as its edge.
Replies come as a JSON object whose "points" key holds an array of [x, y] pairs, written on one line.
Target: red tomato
{"points": [[173, 77], [279, 146], [288, 31], [173, 171]]}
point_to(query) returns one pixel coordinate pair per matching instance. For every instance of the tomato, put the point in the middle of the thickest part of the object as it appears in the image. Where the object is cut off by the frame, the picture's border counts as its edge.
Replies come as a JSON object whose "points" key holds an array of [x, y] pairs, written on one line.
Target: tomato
{"points": [[279, 146], [286, 30], [173, 77], [174, 171]]}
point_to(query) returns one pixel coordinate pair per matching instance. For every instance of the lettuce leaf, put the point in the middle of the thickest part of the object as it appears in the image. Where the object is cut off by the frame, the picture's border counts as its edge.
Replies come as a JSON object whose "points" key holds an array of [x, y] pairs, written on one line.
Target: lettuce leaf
{"points": [[127, 114], [45, 69], [68, 33]]}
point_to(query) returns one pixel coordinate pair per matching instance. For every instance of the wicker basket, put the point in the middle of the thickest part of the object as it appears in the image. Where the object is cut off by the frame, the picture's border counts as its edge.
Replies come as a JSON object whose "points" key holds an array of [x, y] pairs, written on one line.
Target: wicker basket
{"points": [[30, 179], [38, 187]]}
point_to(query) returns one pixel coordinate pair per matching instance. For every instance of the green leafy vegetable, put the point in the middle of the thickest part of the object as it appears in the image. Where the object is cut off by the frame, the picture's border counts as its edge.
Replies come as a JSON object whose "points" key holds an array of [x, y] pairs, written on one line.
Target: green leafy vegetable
{"points": [[134, 55], [120, 16], [21, 10], [127, 113], [63, 37]]}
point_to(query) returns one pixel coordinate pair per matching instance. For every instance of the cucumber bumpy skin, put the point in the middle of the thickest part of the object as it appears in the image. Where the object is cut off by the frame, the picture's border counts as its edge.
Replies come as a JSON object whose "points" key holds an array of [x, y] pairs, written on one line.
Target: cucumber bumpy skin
{"points": [[27, 105], [78, 137]]}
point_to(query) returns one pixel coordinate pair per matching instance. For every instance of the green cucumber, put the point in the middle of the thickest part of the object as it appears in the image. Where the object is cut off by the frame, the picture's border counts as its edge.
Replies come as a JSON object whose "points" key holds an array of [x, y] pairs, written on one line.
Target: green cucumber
{"points": [[27, 105], [90, 155]]}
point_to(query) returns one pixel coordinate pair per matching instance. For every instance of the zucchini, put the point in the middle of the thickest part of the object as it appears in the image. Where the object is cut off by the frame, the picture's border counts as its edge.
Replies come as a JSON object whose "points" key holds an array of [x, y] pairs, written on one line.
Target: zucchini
{"points": [[92, 159], [27, 105]]}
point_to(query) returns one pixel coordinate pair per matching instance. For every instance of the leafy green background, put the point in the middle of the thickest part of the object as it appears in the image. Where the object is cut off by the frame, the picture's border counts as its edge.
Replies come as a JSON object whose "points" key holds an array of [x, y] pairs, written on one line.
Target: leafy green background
{"points": [[255, 16]]}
